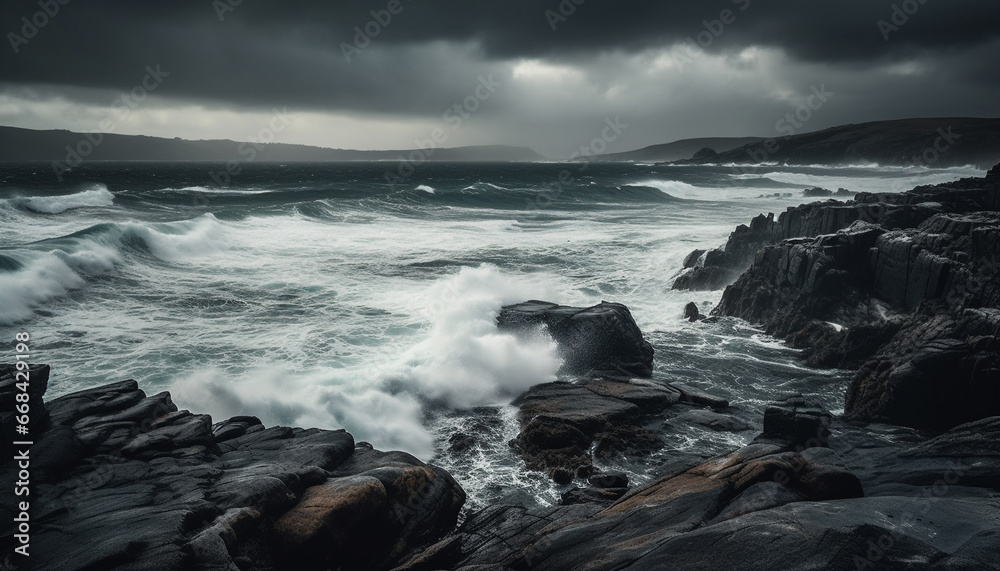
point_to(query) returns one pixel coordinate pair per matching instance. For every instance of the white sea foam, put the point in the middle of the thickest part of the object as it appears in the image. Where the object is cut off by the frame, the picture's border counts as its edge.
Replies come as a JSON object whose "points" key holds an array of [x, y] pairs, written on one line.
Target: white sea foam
{"points": [[427, 189], [881, 179], [464, 360], [220, 190], [50, 275], [309, 399], [461, 359], [177, 241], [678, 189], [99, 196], [483, 186]]}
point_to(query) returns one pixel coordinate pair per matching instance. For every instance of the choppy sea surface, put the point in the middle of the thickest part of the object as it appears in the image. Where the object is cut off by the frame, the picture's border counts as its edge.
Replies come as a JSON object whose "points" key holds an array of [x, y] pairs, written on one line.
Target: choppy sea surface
{"points": [[325, 295]]}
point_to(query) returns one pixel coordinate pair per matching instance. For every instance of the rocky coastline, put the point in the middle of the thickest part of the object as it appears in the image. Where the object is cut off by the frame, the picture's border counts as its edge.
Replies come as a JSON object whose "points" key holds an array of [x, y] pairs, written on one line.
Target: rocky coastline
{"points": [[901, 288]]}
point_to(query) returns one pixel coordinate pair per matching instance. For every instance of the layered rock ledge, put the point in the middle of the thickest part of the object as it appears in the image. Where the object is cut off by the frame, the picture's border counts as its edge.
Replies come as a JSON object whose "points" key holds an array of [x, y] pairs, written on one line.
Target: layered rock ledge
{"points": [[123, 480], [902, 287]]}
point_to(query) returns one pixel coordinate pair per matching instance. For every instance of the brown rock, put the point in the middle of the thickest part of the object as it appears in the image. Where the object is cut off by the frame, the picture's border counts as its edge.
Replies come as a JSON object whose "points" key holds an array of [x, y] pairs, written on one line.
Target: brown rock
{"points": [[334, 525]]}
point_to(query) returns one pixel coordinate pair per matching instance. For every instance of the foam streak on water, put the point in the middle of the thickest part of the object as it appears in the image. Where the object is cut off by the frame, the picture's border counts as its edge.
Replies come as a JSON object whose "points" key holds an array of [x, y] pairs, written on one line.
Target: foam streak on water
{"points": [[319, 295]]}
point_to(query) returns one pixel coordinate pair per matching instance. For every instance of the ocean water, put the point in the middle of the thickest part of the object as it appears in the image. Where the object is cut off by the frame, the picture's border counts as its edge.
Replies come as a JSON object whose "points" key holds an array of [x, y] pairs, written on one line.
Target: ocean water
{"points": [[324, 295]]}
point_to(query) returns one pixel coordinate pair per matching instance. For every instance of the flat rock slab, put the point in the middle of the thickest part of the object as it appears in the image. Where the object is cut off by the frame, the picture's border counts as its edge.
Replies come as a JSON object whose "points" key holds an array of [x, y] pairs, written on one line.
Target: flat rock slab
{"points": [[574, 404]]}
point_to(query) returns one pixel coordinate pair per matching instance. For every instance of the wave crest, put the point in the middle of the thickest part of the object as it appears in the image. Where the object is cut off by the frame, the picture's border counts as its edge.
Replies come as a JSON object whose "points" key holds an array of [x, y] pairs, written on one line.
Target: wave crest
{"points": [[96, 197]]}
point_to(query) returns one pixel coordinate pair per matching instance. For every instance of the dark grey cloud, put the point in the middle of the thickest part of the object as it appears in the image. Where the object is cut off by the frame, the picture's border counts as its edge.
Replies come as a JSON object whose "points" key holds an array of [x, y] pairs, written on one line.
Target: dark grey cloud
{"points": [[291, 50], [940, 61]]}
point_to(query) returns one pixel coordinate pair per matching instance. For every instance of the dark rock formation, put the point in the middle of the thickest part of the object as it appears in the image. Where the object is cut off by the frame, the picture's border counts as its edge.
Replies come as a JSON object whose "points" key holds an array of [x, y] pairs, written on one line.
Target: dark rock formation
{"points": [[816, 192], [796, 422], [821, 192], [718, 268], [868, 499], [560, 421], [122, 480], [904, 287], [691, 260], [691, 312], [713, 420], [603, 337], [609, 480]]}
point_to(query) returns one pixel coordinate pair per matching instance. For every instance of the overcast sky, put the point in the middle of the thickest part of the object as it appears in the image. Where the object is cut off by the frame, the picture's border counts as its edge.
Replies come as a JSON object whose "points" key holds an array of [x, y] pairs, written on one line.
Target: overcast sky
{"points": [[669, 70]]}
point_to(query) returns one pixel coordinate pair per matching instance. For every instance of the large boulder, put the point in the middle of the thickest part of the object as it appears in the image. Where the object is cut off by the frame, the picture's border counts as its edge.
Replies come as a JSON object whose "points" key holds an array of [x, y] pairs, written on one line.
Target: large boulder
{"points": [[602, 338]]}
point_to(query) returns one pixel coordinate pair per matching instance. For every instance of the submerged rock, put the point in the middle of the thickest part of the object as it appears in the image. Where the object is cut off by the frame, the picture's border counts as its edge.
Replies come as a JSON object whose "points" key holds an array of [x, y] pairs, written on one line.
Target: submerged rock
{"points": [[601, 338]]}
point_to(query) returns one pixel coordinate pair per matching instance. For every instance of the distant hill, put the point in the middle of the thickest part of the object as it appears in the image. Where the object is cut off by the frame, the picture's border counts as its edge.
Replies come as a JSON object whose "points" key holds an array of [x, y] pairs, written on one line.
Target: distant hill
{"points": [[680, 150], [929, 142], [24, 145]]}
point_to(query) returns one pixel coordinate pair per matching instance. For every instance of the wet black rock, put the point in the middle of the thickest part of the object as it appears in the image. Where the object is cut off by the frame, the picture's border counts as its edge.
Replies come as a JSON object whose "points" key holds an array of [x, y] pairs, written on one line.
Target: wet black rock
{"points": [[814, 192], [122, 480], [691, 312], [719, 497], [601, 338], [718, 268], [609, 480], [691, 260], [904, 288], [714, 420], [796, 422], [595, 495], [561, 421]]}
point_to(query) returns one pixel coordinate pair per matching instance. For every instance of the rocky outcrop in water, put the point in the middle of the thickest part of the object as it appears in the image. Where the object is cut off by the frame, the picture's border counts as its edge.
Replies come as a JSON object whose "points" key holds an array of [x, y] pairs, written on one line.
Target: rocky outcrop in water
{"points": [[122, 480], [561, 422], [719, 268], [602, 338], [904, 287], [603, 413]]}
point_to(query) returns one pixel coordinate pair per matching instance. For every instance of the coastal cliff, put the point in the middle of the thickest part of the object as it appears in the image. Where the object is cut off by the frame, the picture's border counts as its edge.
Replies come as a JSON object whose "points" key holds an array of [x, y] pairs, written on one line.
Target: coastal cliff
{"points": [[903, 287]]}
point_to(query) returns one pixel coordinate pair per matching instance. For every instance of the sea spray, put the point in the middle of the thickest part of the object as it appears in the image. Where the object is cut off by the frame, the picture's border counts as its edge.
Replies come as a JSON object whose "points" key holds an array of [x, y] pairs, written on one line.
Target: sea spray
{"points": [[462, 362]]}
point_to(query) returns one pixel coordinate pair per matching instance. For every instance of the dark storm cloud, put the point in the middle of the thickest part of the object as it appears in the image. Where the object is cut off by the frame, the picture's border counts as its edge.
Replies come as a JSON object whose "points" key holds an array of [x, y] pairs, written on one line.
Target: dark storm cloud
{"points": [[290, 52]]}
